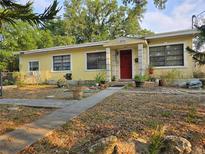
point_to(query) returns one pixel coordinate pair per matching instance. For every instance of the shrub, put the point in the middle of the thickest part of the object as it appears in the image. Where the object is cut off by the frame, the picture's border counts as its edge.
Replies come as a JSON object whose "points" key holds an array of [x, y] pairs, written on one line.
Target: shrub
{"points": [[152, 123], [156, 140], [113, 78], [172, 75], [140, 78], [166, 113], [192, 114], [18, 79], [100, 78], [198, 74]]}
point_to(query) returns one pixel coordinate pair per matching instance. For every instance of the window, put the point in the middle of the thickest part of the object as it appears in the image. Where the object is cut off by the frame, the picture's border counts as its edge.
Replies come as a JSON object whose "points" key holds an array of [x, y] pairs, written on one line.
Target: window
{"points": [[168, 55], [33, 66], [61, 63], [96, 60]]}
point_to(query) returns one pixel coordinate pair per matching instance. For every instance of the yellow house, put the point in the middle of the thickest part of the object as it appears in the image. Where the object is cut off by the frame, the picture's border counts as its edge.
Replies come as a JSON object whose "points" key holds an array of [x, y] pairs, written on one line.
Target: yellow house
{"points": [[122, 58]]}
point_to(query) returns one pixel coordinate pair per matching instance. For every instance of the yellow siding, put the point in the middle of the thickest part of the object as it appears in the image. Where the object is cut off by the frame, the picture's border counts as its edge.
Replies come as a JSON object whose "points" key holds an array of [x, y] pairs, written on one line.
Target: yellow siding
{"points": [[45, 60], [187, 70], [78, 61]]}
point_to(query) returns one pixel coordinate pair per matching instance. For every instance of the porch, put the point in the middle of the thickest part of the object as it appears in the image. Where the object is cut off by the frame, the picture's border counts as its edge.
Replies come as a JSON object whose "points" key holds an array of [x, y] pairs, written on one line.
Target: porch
{"points": [[125, 57]]}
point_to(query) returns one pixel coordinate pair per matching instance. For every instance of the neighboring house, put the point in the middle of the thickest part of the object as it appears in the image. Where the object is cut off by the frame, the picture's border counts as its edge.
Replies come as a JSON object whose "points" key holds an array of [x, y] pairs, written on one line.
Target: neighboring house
{"points": [[123, 57]]}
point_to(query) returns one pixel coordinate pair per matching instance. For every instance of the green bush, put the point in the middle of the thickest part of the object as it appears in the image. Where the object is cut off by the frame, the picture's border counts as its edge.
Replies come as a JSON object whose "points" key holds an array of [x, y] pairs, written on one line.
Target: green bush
{"points": [[156, 140], [100, 78], [171, 76], [140, 78], [198, 74]]}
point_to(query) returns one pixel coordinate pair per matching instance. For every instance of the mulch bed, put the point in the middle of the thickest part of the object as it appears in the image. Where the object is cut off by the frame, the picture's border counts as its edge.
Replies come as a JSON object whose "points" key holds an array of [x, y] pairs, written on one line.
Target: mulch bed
{"points": [[128, 115], [12, 116]]}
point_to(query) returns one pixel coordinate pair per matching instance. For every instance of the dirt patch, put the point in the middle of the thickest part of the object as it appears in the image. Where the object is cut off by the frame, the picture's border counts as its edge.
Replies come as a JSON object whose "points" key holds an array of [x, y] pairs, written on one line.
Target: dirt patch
{"points": [[13, 116], [40, 92], [128, 115]]}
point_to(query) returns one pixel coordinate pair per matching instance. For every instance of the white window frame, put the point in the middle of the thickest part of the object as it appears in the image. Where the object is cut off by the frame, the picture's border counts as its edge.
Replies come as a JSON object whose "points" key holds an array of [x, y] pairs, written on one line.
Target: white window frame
{"points": [[64, 71], [169, 67], [93, 70], [34, 61]]}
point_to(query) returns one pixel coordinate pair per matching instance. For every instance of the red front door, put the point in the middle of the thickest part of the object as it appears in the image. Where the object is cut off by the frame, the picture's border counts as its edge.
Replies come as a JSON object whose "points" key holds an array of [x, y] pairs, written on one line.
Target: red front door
{"points": [[126, 64]]}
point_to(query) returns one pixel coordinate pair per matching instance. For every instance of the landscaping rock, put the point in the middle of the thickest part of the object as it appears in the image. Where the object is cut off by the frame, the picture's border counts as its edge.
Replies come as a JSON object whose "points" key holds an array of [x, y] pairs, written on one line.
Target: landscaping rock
{"points": [[176, 145], [104, 146], [125, 147], [111, 145]]}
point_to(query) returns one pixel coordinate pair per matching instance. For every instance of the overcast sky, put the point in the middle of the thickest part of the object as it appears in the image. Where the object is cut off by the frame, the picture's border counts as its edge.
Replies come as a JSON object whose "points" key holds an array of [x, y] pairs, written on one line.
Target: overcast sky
{"points": [[176, 16]]}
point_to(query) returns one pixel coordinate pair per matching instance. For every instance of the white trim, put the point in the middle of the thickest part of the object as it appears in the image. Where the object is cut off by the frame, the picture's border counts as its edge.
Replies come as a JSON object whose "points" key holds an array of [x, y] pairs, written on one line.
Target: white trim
{"points": [[57, 48], [120, 62], [169, 67], [33, 61], [172, 34], [63, 71], [92, 70]]}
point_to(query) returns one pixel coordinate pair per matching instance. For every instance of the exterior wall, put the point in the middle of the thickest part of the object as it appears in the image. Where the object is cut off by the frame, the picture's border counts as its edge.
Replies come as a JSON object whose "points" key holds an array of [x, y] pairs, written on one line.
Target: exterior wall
{"points": [[78, 61], [78, 67], [187, 69]]}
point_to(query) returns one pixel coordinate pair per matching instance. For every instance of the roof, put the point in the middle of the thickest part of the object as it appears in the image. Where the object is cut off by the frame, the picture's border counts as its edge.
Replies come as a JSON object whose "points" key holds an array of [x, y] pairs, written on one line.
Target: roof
{"points": [[115, 42], [124, 41], [173, 33], [74, 46]]}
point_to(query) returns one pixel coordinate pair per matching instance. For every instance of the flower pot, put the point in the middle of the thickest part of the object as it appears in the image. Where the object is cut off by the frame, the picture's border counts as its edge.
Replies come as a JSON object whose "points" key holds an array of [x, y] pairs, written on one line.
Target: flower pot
{"points": [[151, 71], [161, 82], [139, 84]]}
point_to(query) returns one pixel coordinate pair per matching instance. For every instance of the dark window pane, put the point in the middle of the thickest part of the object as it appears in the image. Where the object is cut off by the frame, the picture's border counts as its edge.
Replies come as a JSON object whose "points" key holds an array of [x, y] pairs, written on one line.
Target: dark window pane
{"points": [[170, 55], [96, 60], [34, 66], [61, 63]]}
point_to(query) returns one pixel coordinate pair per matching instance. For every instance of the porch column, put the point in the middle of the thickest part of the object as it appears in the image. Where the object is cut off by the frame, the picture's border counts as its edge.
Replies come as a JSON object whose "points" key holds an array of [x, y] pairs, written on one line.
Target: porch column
{"points": [[108, 64], [141, 62]]}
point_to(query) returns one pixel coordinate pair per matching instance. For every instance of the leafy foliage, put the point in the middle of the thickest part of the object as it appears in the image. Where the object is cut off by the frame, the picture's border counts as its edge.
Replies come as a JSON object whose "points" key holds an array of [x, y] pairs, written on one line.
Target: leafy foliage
{"points": [[142, 3], [11, 11], [100, 77], [100, 20], [197, 54], [156, 140]]}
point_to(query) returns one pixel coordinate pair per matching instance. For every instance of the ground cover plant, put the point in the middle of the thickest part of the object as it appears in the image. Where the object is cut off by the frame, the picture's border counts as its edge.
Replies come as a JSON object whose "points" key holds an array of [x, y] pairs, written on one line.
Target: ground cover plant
{"points": [[129, 116]]}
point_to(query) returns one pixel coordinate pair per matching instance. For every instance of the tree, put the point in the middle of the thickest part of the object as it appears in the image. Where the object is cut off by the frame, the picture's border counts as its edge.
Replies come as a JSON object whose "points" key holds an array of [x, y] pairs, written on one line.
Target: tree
{"points": [[21, 37], [142, 3], [89, 20], [197, 54], [11, 11], [24, 37]]}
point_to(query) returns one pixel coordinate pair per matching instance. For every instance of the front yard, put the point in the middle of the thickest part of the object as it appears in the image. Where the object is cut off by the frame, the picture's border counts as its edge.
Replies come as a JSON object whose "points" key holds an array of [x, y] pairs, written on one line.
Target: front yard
{"points": [[12, 116], [41, 92], [128, 115]]}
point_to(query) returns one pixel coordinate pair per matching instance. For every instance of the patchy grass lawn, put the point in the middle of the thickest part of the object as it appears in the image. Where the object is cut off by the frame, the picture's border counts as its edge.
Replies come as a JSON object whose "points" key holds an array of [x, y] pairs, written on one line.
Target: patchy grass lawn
{"points": [[13, 116], [39, 92], [128, 115]]}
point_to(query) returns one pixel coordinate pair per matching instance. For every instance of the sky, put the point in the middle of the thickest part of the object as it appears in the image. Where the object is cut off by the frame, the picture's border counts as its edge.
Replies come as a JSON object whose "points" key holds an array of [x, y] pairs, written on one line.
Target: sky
{"points": [[176, 16]]}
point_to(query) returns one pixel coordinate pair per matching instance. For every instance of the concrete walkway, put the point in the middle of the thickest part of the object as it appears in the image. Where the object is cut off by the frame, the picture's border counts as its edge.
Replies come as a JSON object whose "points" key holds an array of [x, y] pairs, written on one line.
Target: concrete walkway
{"points": [[28, 134], [39, 102]]}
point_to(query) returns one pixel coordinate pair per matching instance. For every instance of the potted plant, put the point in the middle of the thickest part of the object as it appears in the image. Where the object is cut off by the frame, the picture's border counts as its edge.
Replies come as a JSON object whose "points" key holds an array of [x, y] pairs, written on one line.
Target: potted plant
{"points": [[100, 79], [150, 70], [139, 80], [162, 80]]}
